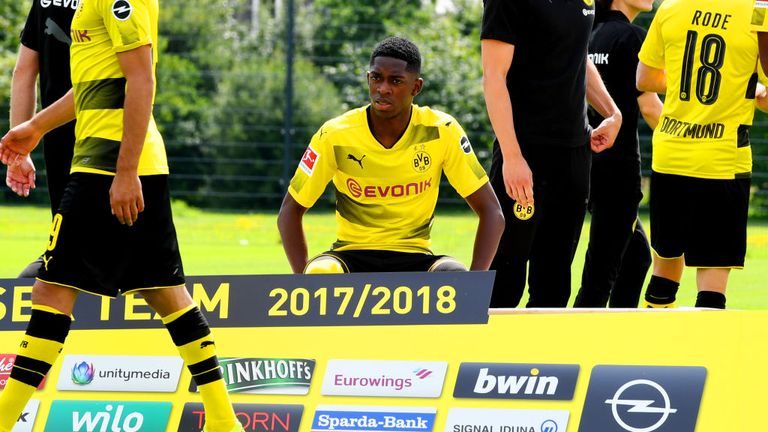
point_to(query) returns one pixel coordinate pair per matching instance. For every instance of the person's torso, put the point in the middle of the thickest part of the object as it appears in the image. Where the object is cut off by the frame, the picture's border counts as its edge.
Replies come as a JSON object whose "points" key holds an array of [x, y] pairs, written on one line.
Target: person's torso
{"points": [[711, 57], [385, 198], [613, 49], [100, 30]]}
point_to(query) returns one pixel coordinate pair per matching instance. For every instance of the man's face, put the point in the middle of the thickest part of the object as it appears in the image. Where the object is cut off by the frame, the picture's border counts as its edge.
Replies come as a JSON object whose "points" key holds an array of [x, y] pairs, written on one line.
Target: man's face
{"points": [[391, 87]]}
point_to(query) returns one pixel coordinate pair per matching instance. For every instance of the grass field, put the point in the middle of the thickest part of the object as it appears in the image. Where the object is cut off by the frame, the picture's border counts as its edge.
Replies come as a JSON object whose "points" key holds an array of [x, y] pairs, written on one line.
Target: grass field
{"points": [[231, 243]]}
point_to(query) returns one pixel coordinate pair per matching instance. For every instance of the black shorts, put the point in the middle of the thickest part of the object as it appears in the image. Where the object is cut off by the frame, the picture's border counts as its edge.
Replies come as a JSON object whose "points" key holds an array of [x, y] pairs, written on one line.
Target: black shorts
{"points": [[358, 261], [704, 220], [91, 251]]}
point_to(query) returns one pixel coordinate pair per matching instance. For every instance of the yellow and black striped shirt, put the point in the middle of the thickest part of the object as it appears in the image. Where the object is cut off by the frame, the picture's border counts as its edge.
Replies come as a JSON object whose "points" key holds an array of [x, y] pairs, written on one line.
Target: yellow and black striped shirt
{"points": [[101, 29], [385, 198]]}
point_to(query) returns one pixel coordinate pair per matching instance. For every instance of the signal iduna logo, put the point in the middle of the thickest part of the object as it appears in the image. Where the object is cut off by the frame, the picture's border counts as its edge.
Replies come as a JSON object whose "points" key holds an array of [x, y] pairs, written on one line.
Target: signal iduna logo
{"points": [[506, 420], [373, 419], [516, 381], [384, 378], [127, 416], [253, 417], [120, 373]]}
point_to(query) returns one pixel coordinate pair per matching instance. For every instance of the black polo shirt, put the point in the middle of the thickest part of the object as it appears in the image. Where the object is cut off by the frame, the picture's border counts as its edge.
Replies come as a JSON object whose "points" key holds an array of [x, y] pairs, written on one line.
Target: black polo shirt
{"points": [[613, 49], [547, 77], [47, 32]]}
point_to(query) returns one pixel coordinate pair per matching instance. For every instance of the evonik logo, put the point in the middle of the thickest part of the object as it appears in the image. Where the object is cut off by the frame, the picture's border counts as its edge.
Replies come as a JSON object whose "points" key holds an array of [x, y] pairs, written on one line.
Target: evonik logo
{"points": [[516, 381], [387, 191]]}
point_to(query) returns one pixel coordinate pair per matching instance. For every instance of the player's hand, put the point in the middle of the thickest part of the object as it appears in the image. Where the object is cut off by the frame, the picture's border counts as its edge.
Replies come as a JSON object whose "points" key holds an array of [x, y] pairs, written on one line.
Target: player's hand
{"points": [[126, 198], [20, 177], [518, 179], [605, 134], [19, 142]]}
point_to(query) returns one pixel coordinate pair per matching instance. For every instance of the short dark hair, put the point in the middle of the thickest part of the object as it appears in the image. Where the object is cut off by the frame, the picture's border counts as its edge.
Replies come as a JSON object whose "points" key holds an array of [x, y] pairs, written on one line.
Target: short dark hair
{"points": [[399, 48]]}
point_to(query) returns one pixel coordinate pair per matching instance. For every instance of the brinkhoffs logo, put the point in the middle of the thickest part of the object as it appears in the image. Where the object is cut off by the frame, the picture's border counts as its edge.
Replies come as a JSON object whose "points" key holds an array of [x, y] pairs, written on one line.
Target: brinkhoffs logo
{"points": [[266, 375]]}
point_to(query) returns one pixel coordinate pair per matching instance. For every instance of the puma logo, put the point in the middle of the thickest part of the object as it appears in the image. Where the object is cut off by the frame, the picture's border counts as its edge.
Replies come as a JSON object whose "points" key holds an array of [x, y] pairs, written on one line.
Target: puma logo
{"points": [[46, 260], [359, 161], [206, 343], [53, 29]]}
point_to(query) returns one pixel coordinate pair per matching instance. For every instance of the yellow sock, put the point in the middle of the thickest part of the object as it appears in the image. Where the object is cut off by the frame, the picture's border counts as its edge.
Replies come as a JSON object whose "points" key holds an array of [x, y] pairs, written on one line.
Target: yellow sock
{"points": [[39, 348], [192, 337]]}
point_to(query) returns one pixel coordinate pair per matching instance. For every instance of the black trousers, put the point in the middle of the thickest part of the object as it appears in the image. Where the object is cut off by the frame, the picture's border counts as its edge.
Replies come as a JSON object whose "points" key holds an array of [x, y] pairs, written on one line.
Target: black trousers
{"points": [[542, 247], [618, 256]]}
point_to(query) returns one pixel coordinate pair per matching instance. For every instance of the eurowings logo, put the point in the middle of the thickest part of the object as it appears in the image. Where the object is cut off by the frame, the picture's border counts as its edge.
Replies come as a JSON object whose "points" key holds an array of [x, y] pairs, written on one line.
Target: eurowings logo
{"points": [[384, 378], [643, 399]]}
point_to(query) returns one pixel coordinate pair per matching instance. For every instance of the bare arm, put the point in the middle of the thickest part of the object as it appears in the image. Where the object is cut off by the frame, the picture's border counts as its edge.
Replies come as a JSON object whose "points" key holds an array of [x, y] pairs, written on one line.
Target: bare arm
{"points": [[605, 134], [497, 58], [289, 223], [761, 97], [21, 176], [762, 42], [650, 107], [650, 79], [125, 195], [485, 204]]}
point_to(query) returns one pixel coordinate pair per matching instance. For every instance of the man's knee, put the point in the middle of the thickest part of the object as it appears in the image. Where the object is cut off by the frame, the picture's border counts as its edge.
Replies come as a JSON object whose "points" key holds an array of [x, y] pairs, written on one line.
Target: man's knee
{"points": [[324, 264], [447, 264]]}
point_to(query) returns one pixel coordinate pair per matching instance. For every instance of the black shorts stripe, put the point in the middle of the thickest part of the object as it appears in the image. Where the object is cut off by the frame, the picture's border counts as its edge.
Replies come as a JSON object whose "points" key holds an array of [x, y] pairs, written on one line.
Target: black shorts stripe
{"points": [[208, 377], [47, 325], [27, 377], [189, 327], [742, 136], [204, 366], [31, 364]]}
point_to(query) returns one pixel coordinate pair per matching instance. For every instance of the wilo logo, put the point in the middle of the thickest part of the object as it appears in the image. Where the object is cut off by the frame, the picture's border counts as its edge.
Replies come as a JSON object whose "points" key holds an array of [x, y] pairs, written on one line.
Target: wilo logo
{"points": [[120, 373], [384, 378], [516, 381], [99, 416]]}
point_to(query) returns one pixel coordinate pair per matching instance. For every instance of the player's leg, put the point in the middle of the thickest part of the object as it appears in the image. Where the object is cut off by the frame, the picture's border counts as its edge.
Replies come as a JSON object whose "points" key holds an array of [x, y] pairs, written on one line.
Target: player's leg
{"points": [[711, 283], [192, 336], [326, 263], [564, 205], [634, 268], [669, 199], [447, 263], [42, 342]]}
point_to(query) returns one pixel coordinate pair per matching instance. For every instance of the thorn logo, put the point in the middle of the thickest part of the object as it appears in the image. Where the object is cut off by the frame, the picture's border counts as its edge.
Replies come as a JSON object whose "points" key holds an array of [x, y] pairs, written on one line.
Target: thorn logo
{"points": [[82, 373], [422, 373], [121, 10], [641, 406], [309, 160]]}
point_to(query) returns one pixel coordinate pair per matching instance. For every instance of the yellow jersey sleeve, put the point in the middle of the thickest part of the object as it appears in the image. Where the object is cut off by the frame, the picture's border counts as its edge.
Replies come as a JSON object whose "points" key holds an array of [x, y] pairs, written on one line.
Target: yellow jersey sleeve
{"points": [[652, 50], [128, 23], [461, 166], [316, 168]]}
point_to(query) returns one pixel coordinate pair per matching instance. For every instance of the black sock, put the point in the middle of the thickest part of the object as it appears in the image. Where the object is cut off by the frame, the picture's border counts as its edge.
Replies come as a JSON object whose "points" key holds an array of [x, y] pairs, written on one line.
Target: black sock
{"points": [[661, 290], [710, 299]]}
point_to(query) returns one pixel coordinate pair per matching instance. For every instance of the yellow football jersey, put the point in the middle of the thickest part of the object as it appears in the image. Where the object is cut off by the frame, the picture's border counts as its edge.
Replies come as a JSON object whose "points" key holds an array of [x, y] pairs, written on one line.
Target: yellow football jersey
{"points": [[385, 198], [710, 56], [101, 29]]}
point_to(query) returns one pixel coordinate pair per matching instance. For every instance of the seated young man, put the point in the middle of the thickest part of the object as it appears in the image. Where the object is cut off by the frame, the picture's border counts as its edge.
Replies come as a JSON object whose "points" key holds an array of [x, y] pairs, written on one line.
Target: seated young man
{"points": [[386, 160]]}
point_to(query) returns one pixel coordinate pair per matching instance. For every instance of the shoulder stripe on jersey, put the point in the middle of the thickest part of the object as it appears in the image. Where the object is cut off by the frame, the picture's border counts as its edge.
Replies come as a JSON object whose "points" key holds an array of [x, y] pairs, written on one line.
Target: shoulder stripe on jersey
{"points": [[106, 93], [422, 134]]}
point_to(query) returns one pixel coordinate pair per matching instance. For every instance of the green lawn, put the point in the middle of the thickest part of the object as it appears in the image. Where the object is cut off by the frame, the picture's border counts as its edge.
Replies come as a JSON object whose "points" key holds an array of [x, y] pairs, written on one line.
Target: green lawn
{"points": [[232, 243]]}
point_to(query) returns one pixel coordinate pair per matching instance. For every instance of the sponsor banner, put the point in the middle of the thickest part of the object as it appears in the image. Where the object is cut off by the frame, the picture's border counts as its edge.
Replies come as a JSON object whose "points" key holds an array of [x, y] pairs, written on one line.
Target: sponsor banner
{"points": [[253, 417], [112, 416], [6, 365], [506, 420], [373, 419], [384, 378], [120, 373], [27, 418], [643, 399], [398, 298], [265, 375], [516, 381]]}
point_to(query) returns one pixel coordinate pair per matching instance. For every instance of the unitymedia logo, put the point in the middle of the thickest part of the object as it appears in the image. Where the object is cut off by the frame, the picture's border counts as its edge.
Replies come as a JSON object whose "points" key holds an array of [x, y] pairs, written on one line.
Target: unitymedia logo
{"points": [[120, 373], [82, 373], [266, 375]]}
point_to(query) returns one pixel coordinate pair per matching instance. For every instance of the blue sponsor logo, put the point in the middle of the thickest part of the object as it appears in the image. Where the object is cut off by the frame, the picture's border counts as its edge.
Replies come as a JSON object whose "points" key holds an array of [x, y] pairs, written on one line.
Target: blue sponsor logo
{"points": [[85, 416], [386, 420]]}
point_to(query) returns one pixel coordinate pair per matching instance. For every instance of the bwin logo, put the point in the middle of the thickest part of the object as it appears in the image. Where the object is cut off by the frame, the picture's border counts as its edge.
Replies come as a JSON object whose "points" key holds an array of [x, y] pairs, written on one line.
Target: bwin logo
{"points": [[107, 420], [529, 385]]}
